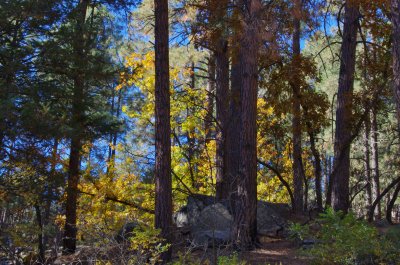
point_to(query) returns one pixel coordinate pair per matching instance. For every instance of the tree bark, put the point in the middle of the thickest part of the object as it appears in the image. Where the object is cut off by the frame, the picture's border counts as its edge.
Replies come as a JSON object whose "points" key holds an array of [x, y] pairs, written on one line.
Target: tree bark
{"points": [[367, 165], [317, 172], [70, 229], [344, 115], [375, 162], [234, 128], [163, 202], [222, 104], [208, 120], [245, 221], [298, 171]]}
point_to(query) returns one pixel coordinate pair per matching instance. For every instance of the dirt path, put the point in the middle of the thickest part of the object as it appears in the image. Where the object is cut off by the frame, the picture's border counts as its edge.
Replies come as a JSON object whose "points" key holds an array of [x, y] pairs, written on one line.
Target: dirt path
{"points": [[275, 252]]}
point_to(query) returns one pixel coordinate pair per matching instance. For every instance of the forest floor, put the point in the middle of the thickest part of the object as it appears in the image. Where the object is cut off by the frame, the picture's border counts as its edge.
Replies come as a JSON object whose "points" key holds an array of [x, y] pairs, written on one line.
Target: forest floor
{"points": [[272, 251], [276, 252]]}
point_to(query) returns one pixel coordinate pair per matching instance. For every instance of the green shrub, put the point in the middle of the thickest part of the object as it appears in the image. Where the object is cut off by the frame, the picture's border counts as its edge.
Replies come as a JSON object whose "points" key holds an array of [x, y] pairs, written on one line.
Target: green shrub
{"points": [[343, 240]]}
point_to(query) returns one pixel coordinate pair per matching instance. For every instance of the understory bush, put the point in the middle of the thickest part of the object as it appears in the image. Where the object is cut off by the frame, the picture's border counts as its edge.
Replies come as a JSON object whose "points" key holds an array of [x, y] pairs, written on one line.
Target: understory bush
{"points": [[345, 240]]}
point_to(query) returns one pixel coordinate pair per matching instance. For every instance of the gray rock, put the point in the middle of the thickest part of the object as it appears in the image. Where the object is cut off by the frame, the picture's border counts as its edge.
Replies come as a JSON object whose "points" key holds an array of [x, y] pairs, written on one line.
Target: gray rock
{"points": [[202, 215], [212, 226], [181, 218], [269, 222], [211, 238]]}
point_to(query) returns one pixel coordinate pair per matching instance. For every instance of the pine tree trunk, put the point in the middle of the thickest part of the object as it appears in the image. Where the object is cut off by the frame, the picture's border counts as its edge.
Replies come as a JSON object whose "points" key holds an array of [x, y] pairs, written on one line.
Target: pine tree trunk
{"points": [[375, 163], [367, 165], [208, 120], [298, 171], [70, 229], [163, 202], [344, 111], [317, 172], [41, 245], [245, 221], [222, 104], [234, 128]]}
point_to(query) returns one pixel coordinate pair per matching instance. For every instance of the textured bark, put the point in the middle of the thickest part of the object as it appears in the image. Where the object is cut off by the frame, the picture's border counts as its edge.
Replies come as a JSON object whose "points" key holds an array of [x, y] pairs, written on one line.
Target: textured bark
{"points": [[317, 172], [395, 19], [234, 129], [245, 221], [344, 114], [367, 164], [375, 163], [298, 171], [222, 104], [70, 230], [163, 202], [208, 121]]}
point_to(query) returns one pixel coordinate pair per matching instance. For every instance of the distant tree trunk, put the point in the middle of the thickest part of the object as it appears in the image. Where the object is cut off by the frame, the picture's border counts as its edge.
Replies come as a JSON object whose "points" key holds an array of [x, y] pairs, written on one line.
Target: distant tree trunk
{"points": [[328, 189], [41, 246], [391, 203], [375, 162], [367, 165], [50, 192], [344, 111], [380, 197], [222, 104], [208, 121], [163, 202], [70, 229], [298, 171], [317, 172], [191, 140], [245, 221]]}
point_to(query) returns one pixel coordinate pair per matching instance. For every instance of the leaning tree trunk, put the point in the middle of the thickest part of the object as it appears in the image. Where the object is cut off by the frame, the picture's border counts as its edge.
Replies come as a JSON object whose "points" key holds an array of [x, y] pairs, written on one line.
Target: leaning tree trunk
{"points": [[391, 203], [344, 114], [245, 222], [298, 171], [70, 229], [163, 202]]}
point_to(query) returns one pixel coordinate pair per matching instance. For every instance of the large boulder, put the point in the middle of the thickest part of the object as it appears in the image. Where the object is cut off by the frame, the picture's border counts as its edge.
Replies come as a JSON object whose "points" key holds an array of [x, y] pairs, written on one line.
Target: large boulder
{"points": [[212, 226], [269, 222], [210, 222]]}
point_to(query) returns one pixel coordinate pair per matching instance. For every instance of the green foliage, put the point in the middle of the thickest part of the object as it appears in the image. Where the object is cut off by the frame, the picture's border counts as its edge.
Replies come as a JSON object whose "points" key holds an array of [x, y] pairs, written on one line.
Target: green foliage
{"points": [[298, 231], [343, 239], [230, 260], [147, 244]]}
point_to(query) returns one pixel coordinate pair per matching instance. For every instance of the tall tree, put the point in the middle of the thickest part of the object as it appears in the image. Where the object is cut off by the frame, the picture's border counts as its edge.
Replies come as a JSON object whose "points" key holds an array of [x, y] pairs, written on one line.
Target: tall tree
{"points": [[245, 221], [344, 112], [70, 229], [375, 161], [298, 170], [163, 203], [395, 19]]}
